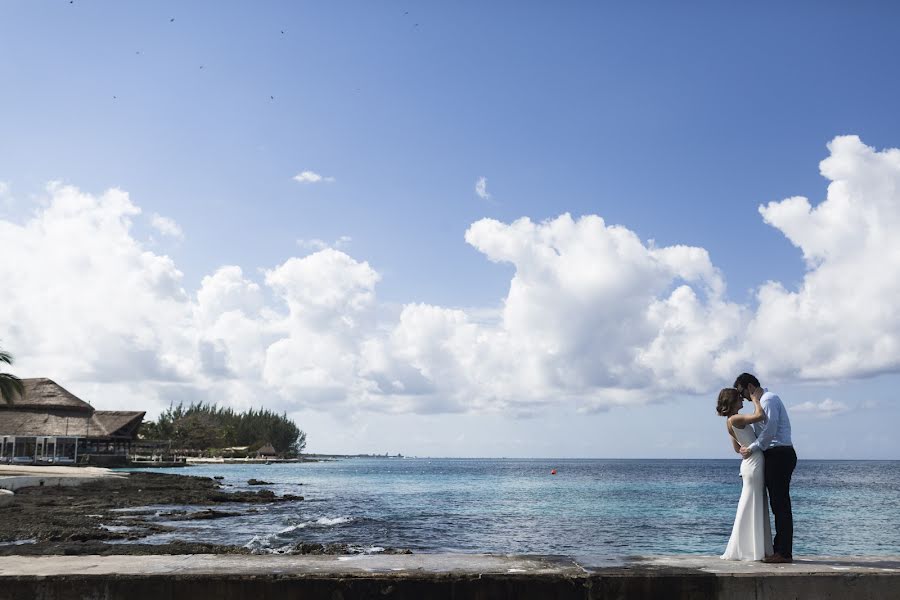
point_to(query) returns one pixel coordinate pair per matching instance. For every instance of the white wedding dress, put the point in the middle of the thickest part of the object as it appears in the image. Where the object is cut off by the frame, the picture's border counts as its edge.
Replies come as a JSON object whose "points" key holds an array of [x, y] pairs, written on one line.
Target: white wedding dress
{"points": [[751, 537]]}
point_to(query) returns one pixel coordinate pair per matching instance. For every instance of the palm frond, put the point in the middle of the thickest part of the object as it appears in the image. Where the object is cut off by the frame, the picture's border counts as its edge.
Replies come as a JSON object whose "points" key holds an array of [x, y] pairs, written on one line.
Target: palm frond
{"points": [[11, 387], [6, 357]]}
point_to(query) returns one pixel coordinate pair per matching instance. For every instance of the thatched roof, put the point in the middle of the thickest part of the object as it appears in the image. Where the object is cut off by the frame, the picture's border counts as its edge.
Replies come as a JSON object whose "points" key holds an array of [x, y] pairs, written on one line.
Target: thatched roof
{"points": [[99, 424], [48, 409], [42, 393], [266, 450]]}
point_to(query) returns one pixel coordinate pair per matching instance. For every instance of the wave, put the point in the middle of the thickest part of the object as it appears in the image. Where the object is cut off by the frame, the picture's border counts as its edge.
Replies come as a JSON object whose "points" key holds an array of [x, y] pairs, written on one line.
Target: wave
{"points": [[274, 542], [327, 522]]}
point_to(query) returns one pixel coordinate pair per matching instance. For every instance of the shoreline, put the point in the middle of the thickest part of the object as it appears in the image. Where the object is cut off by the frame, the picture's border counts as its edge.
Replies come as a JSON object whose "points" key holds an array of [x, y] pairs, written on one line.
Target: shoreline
{"points": [[101, 514]]}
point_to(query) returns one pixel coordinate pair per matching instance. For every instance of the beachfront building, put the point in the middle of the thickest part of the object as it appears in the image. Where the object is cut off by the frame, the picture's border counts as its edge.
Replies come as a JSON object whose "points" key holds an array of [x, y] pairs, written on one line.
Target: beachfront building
{"points": [[50, 425]]}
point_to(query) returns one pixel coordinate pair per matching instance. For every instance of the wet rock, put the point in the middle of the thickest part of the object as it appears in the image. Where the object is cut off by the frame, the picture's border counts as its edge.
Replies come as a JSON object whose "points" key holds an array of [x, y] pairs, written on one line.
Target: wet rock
{"points": [[65, 520], [219, 477], [397, 551], [316, 548], [258, 482]]}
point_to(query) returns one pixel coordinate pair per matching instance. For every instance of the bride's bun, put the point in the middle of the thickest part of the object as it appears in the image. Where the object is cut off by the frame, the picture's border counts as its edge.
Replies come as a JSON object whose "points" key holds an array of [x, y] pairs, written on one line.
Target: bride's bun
{"points": [[727, 398]]}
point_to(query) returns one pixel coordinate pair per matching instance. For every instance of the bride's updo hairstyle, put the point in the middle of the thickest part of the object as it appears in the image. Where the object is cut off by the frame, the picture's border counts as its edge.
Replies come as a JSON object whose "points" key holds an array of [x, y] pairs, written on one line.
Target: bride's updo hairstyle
{"points": [[727, 399]]}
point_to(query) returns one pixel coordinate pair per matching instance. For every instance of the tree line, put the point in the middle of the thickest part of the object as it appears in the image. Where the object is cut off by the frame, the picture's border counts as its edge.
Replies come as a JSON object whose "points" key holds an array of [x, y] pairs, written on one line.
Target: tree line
{"points": [[205, 426]]}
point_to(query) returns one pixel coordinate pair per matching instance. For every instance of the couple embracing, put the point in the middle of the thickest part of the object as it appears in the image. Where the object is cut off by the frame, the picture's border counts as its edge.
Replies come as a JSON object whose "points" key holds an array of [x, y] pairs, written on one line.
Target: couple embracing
{"points": [[763, 440]]}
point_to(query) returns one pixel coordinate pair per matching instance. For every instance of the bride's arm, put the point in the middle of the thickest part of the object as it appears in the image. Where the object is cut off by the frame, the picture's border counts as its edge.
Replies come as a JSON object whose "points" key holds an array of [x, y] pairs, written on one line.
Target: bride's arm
{"points": [[744, 420]]}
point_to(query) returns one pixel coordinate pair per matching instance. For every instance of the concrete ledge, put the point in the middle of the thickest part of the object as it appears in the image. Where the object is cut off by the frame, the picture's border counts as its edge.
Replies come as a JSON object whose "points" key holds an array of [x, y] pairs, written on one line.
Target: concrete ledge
{"points": [[440, 576], [15, 477]]}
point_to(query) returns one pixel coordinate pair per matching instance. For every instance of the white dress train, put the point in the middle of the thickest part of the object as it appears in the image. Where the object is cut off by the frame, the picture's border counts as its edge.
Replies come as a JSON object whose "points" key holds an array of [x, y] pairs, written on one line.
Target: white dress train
{"points": [[751, 536]]}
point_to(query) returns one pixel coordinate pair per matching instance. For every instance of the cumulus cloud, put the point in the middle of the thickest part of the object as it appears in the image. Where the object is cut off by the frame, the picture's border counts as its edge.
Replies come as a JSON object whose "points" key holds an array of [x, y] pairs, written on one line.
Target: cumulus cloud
{"points": [[83, 298], [826, 408], [842, 320], [481, 188], [312, 177], [594, 315], [166, 226]]}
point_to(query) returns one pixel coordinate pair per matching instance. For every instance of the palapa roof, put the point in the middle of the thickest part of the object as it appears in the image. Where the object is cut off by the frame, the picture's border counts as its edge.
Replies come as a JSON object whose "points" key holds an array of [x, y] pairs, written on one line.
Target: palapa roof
{"points": [[99, 424], [48, 409], [43, 393], [266, 450]]}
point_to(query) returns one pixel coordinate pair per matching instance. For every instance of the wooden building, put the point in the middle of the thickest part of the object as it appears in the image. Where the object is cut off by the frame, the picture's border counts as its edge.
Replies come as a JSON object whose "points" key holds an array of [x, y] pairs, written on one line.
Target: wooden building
{"points": [[50, 425]]}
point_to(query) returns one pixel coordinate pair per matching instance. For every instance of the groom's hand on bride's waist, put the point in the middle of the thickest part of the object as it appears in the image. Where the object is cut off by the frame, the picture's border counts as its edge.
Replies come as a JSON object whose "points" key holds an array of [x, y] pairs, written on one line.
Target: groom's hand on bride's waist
{"points": [[746, 452]]}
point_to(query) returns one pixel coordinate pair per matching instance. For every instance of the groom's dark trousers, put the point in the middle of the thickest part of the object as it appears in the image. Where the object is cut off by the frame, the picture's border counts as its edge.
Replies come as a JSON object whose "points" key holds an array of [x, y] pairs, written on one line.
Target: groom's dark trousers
{"points": [[780, 462]]}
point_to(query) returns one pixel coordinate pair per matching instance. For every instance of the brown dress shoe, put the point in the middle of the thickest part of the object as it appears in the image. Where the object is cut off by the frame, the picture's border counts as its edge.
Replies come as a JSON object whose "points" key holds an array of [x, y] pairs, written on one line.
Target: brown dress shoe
{"points": [[777, 559]]}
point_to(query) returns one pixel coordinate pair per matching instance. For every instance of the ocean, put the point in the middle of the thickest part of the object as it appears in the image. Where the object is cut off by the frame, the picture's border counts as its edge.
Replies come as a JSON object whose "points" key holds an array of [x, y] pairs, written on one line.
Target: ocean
{"points": [[590, 508]]}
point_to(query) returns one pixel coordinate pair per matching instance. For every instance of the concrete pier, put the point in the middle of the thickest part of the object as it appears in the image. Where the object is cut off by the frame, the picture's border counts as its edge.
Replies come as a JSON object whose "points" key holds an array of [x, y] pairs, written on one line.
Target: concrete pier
{"points": [[443, 576]]}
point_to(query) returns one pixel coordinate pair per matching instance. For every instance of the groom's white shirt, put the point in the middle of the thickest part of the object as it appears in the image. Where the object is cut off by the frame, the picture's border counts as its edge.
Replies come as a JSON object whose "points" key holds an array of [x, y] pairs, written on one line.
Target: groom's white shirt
{"points": [[775, 430]]}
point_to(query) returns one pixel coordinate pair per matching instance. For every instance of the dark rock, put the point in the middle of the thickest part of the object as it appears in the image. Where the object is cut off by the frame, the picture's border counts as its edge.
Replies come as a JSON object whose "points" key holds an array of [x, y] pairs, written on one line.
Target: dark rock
{"points": [[315, 548], [218, 477], [258, 482], [397, 551], [65, 520]]}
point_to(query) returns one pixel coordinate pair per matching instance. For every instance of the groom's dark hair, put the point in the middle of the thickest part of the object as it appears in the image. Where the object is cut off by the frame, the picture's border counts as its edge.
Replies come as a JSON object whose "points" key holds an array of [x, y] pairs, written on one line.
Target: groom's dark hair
{"points": [[744, 379]]}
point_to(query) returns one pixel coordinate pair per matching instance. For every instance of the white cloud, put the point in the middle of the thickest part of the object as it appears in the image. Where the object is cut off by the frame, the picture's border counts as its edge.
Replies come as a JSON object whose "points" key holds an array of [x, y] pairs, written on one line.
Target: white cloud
{"points": [[316, 244], [826, 408], [594, 316], [481, 188], [88, 301], [313, 244], [166, 226], [312, 177], [842, 320]]}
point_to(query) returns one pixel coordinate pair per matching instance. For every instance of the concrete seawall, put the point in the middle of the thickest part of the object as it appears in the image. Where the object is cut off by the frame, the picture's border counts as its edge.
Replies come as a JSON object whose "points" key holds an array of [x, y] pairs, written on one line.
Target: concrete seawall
{"points": [[443, 576]]}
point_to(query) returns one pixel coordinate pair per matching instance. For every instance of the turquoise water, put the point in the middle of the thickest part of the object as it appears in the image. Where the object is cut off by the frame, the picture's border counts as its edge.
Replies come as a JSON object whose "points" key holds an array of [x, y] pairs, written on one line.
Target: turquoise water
{"points": [[590, 508]]}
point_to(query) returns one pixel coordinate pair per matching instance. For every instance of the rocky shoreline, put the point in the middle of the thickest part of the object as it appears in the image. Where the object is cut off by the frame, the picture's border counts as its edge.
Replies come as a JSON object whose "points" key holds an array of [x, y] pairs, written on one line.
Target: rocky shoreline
{"points": [[88, 519]]}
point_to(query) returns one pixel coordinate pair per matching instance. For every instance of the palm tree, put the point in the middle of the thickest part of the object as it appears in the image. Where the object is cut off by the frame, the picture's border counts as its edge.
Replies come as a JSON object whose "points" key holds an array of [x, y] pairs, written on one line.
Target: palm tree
{"points": [[10, 385]]}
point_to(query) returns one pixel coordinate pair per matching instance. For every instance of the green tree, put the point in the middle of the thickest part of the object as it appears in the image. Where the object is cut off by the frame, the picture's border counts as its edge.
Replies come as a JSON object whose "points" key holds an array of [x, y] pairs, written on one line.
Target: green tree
{"points": [[10, 385], [202, 426]]}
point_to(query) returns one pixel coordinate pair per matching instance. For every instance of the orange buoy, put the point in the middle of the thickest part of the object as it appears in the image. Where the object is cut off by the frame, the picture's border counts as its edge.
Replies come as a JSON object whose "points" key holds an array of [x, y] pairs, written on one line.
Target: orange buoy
{"points": [[553, 472]]}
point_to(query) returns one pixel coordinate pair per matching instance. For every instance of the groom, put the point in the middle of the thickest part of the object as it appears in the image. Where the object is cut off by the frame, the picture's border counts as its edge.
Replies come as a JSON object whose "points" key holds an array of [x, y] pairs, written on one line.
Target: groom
{"points": [[773, 439]]}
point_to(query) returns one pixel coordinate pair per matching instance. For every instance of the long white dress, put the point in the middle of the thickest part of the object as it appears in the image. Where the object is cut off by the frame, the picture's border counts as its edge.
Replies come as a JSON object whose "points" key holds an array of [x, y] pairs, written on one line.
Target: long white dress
{"points": [[751, 537]]}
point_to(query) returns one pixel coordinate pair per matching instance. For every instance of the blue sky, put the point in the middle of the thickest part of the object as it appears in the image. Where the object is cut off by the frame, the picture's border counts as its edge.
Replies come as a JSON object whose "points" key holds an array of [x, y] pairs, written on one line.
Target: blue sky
{"points": [[675, 121]]}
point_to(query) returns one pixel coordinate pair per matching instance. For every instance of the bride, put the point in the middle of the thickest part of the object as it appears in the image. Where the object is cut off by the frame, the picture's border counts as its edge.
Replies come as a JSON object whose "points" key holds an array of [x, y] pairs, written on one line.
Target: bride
{"points": [[751, 537]]}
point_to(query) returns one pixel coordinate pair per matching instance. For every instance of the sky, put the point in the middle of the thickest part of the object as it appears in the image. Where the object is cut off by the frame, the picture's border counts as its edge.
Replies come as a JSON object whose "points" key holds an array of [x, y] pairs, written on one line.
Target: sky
{"points": [[511, 229]]}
